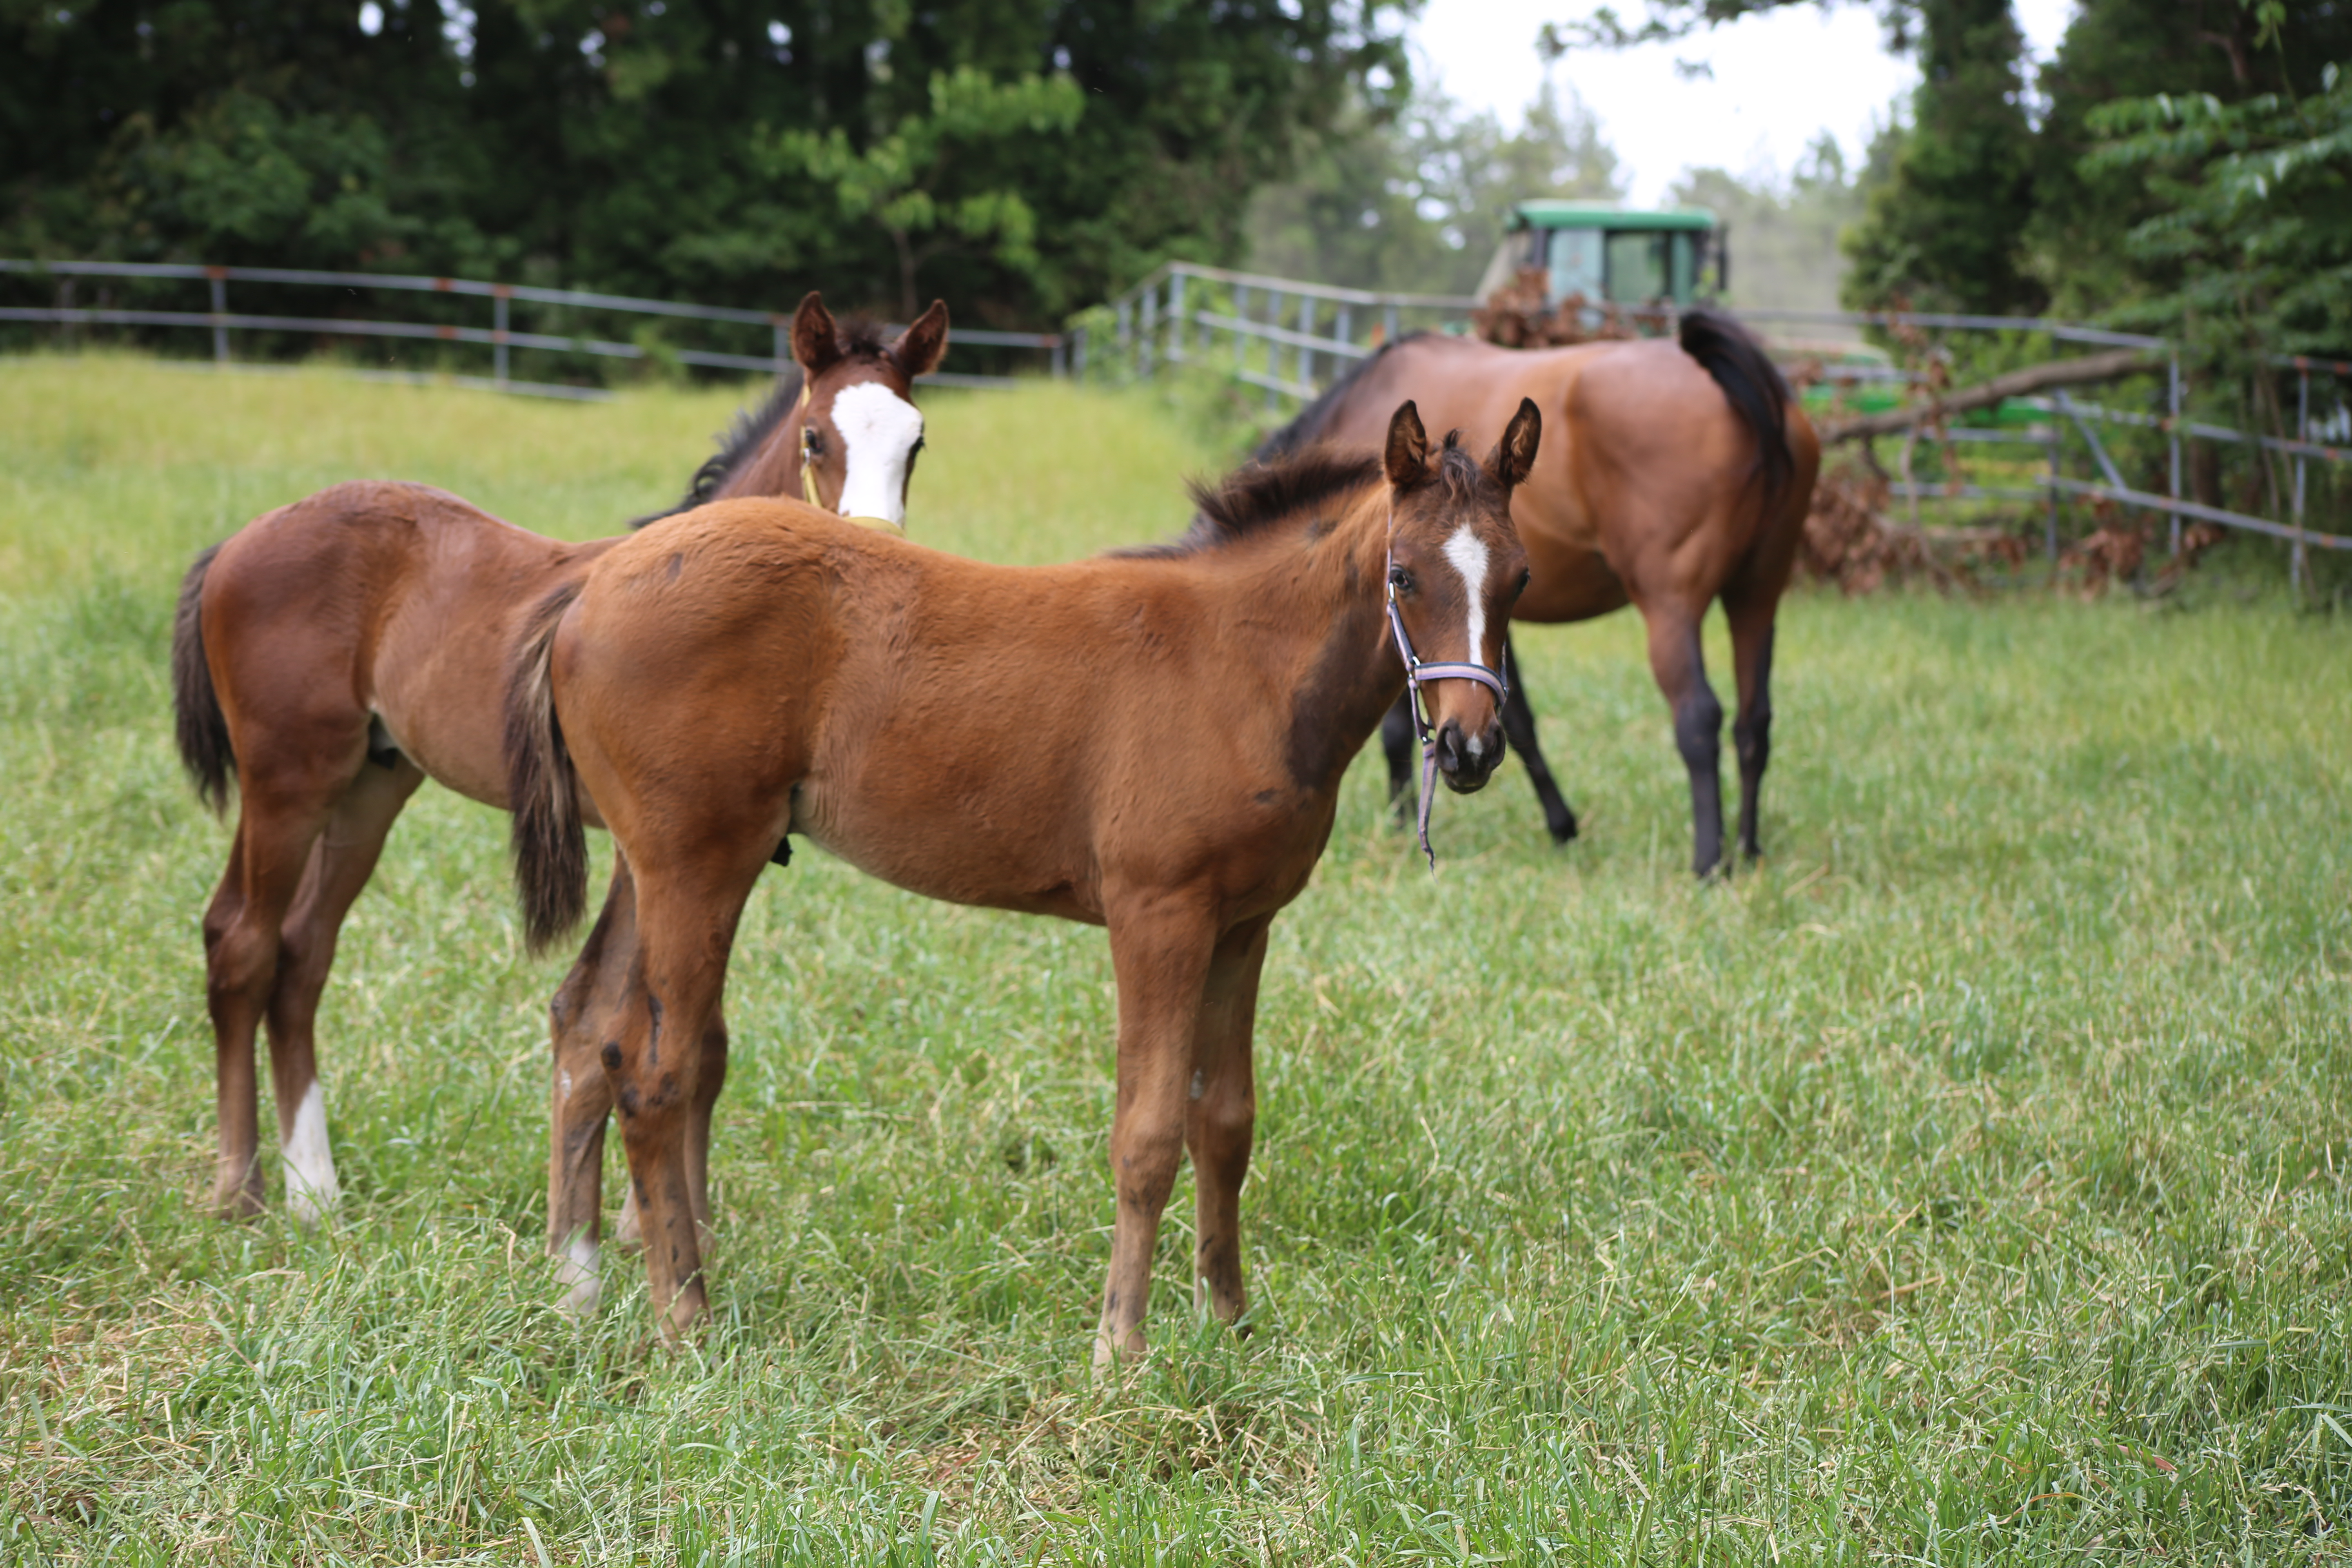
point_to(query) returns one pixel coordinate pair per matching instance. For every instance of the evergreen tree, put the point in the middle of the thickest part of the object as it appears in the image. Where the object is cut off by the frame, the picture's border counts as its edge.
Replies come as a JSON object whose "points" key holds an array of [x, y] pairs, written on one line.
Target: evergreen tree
{"points": [[1945, 231]]}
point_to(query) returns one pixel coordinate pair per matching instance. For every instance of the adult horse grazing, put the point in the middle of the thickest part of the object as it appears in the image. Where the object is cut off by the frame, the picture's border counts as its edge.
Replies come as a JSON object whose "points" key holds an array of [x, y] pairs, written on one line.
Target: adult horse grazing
{"points": [[335, 653], [1677, 474], [1151, 742]]}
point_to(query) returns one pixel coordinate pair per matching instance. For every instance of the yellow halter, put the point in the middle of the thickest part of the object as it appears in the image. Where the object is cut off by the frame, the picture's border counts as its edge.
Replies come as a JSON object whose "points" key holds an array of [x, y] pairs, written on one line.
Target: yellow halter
{"points": [[808, 472]]}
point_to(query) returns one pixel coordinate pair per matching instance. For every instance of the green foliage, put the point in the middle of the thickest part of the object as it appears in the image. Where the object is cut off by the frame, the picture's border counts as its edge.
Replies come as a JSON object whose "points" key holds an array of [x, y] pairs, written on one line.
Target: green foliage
{"points": [[900, 181], [1020, 157], [1942, 232], [1967, 1184], [1415, 202], [2256, 219]]}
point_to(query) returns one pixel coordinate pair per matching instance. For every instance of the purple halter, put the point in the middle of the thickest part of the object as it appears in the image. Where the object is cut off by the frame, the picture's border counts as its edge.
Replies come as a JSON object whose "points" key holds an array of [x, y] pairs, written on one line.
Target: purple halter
{"points": [[1415, 674]]}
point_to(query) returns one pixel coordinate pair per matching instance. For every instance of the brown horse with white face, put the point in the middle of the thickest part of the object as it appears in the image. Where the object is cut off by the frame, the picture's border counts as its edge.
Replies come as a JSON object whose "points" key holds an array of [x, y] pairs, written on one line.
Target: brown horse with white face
{"points": [[1677, 474], [336, 653], [1151, 742]]}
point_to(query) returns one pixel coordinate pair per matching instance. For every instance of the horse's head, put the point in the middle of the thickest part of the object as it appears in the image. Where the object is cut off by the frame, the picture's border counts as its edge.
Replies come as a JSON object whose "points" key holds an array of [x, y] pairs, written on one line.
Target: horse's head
{"points": [[857, 429], [1456, 568]]}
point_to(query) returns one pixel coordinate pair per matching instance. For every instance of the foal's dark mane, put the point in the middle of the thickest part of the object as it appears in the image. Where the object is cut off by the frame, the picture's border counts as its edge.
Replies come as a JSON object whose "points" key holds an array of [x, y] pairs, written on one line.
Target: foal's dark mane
{"points": [[1258, 495], [1315, 418], [1266, 492], [858, 338]]}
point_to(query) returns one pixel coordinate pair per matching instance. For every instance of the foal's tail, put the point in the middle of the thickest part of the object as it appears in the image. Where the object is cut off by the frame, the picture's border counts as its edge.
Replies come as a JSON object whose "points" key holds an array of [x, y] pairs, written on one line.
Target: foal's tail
{"points": [[551, 845], [197, 722], [1752, 384]]}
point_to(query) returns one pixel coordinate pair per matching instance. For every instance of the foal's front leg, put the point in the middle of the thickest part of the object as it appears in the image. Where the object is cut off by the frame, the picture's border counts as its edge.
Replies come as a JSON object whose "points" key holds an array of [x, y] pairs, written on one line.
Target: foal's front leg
{"points": [[1221, 1118], [1160, 948]]}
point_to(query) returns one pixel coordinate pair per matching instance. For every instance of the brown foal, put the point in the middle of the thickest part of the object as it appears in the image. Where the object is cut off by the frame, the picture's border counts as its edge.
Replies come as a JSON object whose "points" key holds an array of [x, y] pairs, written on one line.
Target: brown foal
{"points": [[337, 652], [1152, 741], [1677, 474]]}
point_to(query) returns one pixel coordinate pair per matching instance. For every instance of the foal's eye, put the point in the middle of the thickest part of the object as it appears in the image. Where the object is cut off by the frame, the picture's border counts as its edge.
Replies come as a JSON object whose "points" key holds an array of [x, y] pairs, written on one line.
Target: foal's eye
{"points": [[1525, 577], [1400, 579], [812, 441]]}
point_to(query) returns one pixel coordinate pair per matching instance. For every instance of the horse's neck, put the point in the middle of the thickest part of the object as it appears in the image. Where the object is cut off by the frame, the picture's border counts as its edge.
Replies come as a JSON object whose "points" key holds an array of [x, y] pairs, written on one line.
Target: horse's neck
{"points": [[1344, 676]]}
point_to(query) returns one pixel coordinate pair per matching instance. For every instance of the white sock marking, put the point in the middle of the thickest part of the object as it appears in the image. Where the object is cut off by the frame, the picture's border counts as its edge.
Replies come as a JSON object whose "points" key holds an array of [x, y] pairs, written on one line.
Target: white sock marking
{"points": [[878, 431], [581, 1276], [310, 1186], [1468, 554]]}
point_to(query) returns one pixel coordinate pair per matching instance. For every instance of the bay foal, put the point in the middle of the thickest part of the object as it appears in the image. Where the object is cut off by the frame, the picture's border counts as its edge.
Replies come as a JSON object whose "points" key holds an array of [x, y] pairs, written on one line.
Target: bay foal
{"points": [[335, 653], [1678, 474], [1151, 742]]}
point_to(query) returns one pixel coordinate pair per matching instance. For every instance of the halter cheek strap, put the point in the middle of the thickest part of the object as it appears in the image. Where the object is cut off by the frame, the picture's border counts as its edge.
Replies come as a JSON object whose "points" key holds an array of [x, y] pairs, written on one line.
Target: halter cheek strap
{"points": [[808, 473], [1416, 675]]}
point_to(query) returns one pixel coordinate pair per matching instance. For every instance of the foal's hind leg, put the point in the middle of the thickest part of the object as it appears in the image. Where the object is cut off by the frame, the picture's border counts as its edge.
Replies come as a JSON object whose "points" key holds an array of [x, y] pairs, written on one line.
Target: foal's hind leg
{"points": [[341, 861], [1751, 731], [1519, 729], [1222, 1119], [1396, 743], [584, 1013], [1681, 670], [279, 819]]}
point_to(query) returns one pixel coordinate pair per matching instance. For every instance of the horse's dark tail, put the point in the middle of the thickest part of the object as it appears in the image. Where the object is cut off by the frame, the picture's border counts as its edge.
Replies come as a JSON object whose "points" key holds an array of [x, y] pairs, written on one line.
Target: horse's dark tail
{"points": [[198, 724], [551, 845], [1752, 384]]}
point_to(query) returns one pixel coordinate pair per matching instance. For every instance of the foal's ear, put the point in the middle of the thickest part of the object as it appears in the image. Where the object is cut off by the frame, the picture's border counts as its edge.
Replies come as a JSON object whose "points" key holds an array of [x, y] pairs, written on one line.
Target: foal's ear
{"points": [[922, 345], [1407, 455], [814, 343], [1514, 457]]}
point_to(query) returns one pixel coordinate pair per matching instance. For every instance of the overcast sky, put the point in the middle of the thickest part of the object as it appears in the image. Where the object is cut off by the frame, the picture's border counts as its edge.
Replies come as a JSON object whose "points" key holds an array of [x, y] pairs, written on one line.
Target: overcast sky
{"points": [[1780, 79]]}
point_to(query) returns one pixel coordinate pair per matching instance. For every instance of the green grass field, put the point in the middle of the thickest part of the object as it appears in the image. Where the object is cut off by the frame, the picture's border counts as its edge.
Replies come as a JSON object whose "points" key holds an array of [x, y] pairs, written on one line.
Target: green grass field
{"points": [[1968, 1183]]}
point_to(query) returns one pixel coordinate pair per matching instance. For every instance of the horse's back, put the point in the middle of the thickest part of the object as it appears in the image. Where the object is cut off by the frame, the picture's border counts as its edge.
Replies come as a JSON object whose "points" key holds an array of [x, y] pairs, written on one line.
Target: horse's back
{"points": [[378, 600]]}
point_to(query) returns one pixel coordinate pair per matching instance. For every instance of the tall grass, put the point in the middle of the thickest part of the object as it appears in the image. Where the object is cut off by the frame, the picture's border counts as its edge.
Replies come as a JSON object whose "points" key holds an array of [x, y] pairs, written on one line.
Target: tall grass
{"points": [[1967, 1184]]}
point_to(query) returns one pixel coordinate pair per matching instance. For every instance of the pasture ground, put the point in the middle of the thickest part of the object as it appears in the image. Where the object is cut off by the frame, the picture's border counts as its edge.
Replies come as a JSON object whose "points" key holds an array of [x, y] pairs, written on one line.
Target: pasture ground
{"points": [[1967, 1184]]}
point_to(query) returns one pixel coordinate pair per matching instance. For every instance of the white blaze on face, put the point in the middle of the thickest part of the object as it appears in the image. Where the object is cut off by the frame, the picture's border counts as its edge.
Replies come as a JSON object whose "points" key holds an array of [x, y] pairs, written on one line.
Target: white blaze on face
{"points": [[878, 431], [1467, 554], [310, 1186]]}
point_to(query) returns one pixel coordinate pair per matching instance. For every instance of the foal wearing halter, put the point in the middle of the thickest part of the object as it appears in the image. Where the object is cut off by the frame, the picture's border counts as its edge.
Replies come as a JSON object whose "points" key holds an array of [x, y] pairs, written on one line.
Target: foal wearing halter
{"points": [[337, 652], [1151, 742], [1677, 474]]}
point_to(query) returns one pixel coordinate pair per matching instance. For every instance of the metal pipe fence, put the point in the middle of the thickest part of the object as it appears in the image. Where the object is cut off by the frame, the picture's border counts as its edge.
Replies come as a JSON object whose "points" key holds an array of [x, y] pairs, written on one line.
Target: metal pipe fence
{"points": [[1293, 338], [499, 335]]}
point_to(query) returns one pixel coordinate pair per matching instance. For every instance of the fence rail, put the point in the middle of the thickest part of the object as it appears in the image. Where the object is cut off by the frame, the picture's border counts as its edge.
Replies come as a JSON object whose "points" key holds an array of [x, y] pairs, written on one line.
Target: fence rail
{"points": [[499, 336], [1291, 338]]}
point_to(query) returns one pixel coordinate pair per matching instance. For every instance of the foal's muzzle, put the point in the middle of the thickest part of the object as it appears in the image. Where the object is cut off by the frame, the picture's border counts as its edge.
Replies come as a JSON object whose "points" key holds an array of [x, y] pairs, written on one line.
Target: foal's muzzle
{"points": [[1467, 760]]}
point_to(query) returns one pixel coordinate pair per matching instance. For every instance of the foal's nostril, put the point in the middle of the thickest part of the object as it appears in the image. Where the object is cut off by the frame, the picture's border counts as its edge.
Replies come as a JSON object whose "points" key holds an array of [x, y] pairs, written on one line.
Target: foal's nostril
{"points": [[1467, 761]]}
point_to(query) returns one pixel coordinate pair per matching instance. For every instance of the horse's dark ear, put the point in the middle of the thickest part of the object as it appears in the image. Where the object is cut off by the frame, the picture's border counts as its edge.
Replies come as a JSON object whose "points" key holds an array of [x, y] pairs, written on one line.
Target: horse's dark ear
{"points": [[814, 343], [1514, 457], [922, 345], [1407, 455]]}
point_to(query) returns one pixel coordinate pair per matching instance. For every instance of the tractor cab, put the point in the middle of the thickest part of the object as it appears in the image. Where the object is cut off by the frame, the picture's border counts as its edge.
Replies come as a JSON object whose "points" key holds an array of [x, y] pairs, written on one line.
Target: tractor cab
{"points": [[1612, 256]]}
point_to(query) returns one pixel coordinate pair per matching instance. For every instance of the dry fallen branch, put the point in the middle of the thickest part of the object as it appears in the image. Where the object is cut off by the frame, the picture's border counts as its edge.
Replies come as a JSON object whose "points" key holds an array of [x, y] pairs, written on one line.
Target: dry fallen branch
{"points": [[2024, 382]]}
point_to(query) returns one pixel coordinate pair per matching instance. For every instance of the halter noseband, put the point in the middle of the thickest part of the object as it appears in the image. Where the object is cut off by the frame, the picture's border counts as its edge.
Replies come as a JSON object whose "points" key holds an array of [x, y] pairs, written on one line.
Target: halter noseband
{"points": [[808, 469], [1416, 673]]}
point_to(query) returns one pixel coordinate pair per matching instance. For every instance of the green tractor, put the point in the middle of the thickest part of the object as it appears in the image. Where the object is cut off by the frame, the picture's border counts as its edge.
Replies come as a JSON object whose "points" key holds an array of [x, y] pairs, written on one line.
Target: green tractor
{"points": [[1612, 256]]}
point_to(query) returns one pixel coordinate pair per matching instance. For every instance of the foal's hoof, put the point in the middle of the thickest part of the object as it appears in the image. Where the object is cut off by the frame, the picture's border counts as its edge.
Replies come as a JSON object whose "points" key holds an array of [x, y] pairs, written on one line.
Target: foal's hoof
{"points": [[237, 1200], [1562, 832], [583, 1278]]}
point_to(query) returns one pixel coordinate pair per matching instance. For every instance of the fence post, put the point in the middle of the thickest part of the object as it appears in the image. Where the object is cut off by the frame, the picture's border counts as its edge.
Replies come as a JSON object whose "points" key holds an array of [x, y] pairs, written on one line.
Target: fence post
{"points": [[498, 295], [1147, 337], [2175, 430], [64, 303], [1059, 365], [1078, 354], [2295, 566], [1126, 330], [1343, 327], [1241, 338], [1176, 333], [1388, 325], [1273, 351], [1305, 354], [2050, 523], [779, 347], [218, 276]]}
